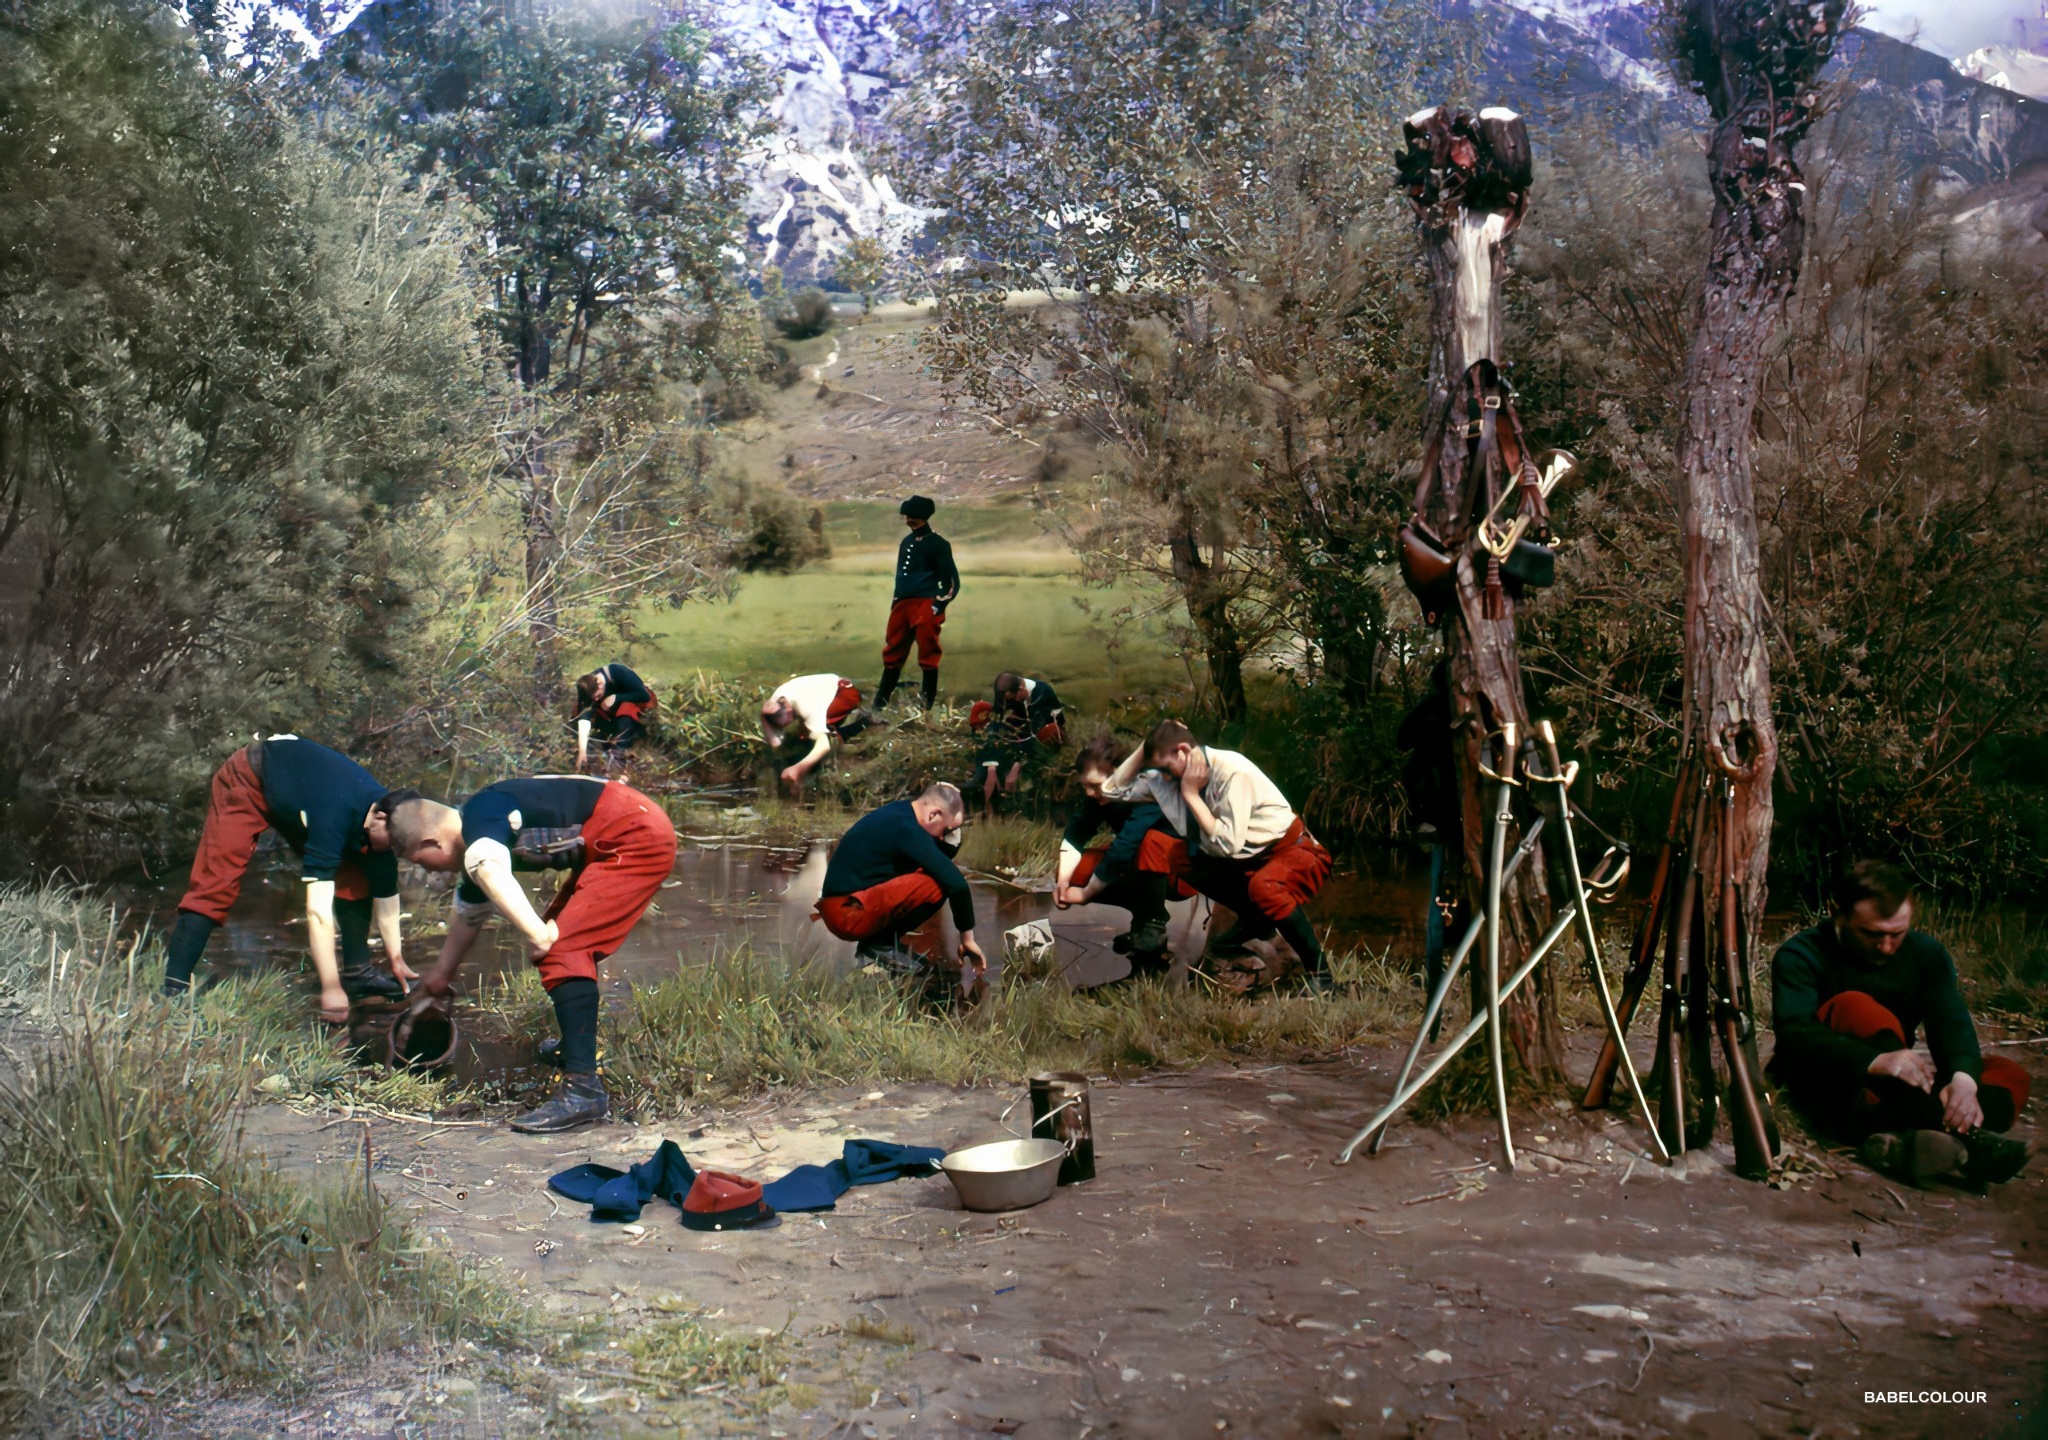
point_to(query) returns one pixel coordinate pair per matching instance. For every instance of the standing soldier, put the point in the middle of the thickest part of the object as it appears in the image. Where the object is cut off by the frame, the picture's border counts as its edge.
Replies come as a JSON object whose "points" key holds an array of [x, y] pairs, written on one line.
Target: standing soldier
{"points": [[614, 705], [332, 811], [926, 583]]}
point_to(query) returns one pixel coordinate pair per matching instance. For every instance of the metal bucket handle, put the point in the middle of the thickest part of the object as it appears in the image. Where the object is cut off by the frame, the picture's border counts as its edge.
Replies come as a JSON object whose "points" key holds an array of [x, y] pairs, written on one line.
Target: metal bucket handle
{"points": [[1068, 1104]]}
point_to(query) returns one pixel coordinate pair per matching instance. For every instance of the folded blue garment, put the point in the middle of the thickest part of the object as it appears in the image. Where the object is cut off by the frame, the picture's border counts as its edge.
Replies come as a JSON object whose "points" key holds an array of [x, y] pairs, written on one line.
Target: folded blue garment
{"points": [[615, 1195]]}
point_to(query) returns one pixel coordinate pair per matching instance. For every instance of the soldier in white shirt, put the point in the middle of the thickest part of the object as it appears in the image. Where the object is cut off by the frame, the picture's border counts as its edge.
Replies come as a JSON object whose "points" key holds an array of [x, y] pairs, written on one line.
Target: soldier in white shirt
{"points": [[1253, 855], [822, 707]]}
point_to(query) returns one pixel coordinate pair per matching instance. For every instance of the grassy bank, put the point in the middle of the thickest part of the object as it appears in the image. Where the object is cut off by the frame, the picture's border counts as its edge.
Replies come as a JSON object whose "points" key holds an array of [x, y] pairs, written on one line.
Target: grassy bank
{"points": [[747, 1021]]}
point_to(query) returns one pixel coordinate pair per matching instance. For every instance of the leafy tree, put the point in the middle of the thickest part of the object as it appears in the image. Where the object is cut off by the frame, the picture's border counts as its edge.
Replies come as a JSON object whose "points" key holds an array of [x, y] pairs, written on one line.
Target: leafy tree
{"points": [[233, 369], [1200, 193], [601, 156], [863, 268], [1900, 422]]}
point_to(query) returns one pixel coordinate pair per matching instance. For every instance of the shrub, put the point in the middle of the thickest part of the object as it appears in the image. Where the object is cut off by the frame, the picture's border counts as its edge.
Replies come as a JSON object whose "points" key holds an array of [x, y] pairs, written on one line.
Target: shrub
{"points": [[808, 315]]}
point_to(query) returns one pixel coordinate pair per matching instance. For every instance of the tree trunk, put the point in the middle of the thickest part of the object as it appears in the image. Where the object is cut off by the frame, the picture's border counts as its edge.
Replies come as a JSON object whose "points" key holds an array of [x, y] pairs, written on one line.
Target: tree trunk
{"points": [[1465, 244], [540, 528], [1759, 83], [1208, 602]]}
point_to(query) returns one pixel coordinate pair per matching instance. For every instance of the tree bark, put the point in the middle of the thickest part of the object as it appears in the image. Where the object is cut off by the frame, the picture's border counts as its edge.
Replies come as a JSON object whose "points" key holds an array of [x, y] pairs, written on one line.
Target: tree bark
{"points": [[1208, 602], [1755, 62], [1465, 227]]}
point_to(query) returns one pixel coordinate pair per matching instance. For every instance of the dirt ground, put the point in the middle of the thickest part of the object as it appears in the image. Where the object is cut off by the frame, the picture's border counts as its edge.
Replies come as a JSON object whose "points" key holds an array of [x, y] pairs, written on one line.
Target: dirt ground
{"points": [[1221, 1277]]}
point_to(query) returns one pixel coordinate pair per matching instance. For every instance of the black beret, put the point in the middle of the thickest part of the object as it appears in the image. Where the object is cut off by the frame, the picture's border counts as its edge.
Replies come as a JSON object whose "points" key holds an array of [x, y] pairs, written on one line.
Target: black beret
{"points": [[917, 507]]}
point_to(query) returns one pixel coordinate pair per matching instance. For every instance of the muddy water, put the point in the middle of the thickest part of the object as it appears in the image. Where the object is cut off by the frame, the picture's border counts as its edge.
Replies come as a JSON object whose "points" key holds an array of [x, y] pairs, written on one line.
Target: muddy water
{"points": [[724, 895]]}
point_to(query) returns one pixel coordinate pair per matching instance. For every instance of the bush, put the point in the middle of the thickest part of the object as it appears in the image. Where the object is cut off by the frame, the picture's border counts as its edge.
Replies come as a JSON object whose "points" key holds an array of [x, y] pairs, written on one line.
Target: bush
{"points": [[808, 315], [146, 1242], [775, 536]]}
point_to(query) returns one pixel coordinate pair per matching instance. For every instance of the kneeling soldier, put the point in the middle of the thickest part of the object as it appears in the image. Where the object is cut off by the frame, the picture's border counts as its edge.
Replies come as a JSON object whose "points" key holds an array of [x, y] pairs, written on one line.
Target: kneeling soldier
{"points": [[613, 705], [824, 708], [891, 871], [330, 810], [1138, 870], [1023, 721], [1253, 855], [618, 847], [1847, 996]]}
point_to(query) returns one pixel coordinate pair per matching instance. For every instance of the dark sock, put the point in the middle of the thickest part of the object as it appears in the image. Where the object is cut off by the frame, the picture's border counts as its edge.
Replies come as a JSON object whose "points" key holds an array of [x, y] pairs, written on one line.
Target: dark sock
{"points": [[890, 675], [352, 929], [1301, 936], [576, 1012], [931, 688], [182, 949]]}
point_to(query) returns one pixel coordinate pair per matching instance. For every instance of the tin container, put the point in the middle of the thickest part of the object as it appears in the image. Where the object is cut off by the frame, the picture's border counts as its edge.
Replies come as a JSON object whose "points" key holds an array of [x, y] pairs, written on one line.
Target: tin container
{"points": [[1059, 1111]]}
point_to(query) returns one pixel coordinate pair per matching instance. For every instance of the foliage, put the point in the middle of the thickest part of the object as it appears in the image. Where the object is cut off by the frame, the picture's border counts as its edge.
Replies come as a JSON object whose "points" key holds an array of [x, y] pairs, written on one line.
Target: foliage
{"points": [[233, 367], [1901, 516], [600, 152], [147, 1243], [774, 533], [743, 1021], [805, 315], [862, 269], [1202, 191]]}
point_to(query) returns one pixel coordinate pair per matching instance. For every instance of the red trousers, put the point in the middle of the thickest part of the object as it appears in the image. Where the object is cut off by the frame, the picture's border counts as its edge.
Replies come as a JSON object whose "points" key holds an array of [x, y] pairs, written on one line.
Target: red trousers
{"points": [[911, 620], [1274, 883], [1854, 1013], [635, 709], [629, 848], [1160, 853], [845, 700], [236, 817], [894, 907]]}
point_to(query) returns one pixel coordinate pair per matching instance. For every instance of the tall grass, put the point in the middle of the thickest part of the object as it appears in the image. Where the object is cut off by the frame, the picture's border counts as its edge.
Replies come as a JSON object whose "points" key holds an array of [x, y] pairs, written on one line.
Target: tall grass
{"points": [[746, 1021], [145, 1242]]}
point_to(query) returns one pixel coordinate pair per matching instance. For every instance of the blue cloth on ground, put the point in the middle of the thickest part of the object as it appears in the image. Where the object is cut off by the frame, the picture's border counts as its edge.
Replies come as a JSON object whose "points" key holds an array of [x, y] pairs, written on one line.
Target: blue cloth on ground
{"points": [[619, 1195], [863, 1162], [615, 1195]]}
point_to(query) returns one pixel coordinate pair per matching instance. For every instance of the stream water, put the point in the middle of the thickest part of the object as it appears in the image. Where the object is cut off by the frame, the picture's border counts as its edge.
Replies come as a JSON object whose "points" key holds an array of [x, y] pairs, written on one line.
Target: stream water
{"points": [[727, 894]]}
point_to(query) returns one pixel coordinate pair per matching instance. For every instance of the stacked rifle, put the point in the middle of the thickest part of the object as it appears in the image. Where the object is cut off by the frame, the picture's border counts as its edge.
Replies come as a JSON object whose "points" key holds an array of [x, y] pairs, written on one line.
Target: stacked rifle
{"points": [[1694, 920], [1548, 780]]}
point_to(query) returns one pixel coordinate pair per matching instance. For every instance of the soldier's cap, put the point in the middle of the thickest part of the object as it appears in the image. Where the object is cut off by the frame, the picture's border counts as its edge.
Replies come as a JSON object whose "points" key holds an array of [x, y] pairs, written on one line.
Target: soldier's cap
{"points": [[917, 507]]}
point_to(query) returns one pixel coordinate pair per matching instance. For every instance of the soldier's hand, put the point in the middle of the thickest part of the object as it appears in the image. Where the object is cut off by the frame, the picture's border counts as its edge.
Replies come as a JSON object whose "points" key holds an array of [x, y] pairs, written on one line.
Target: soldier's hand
{"points": [[1959, 1108], [539, 945], [1907, 1065]]}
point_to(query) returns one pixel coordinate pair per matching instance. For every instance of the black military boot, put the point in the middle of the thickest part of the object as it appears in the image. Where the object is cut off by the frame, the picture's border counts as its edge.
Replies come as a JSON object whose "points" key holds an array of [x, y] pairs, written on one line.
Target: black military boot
{"points": [[931, 688], [581, 1100], [182, 949], [890, 675], [1993, 1159], [367, 982]]}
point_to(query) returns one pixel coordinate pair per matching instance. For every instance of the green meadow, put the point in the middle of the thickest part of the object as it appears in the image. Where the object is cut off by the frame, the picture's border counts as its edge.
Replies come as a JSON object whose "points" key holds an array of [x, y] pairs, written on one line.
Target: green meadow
{"points": [[1023, 606]]}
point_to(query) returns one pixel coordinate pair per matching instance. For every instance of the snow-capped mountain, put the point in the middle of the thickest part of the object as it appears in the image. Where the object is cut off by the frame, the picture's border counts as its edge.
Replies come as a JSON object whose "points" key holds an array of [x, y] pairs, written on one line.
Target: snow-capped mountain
{"points": [[2024, 72], [843, 61]]}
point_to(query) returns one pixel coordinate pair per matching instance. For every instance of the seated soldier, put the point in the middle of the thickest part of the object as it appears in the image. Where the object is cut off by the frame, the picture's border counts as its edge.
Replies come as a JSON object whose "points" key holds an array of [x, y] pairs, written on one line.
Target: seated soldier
{"points": [[891, 871], [614, 705], [823, 708], [1252, 854], [1847, 997], [332, 812], [1138, 869], [1023, 721], [618, 848]]}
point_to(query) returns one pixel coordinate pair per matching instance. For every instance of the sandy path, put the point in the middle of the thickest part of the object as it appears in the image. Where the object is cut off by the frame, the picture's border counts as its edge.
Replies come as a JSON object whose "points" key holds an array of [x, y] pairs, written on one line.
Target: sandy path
{"points": [[1221, 1277]]}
